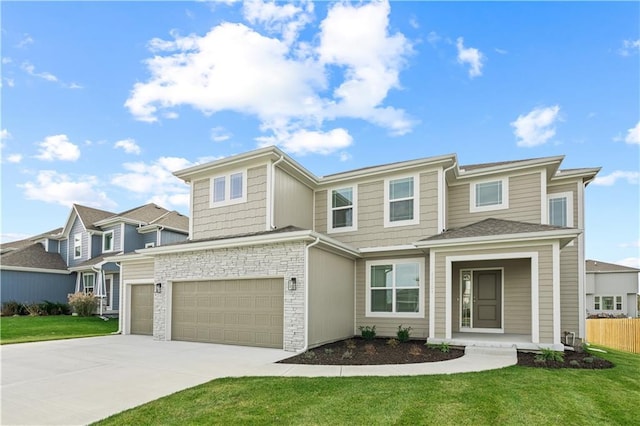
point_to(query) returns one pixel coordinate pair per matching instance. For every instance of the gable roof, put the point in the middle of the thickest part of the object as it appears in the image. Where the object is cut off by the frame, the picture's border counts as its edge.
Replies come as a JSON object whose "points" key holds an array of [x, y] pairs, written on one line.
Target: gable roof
{"points": [[173, 220], [18, 244], [598, 266], [88, 217], [33, 256]]}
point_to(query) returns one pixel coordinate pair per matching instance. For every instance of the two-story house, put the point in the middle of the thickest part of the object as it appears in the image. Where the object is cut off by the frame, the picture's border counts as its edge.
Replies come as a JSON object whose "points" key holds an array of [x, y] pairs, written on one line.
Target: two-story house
{"points": [[279, 257], [52, 265], [612, 290]]}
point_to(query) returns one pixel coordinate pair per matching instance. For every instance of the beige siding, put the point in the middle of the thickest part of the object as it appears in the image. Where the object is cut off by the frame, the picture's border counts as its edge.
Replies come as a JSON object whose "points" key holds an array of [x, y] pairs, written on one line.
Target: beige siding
{"points": [[546, 295], [234, 219], [570, 187], [371, 231], [524, 202], [331, 293], [388, 327], [137, 270], [569, 303], [293, 202]]}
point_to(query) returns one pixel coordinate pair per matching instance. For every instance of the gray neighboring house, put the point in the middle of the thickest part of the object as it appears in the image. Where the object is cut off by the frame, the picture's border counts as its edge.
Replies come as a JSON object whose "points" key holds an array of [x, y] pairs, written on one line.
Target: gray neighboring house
{"points": [[612, 289], [280, 257], [54, 264]]}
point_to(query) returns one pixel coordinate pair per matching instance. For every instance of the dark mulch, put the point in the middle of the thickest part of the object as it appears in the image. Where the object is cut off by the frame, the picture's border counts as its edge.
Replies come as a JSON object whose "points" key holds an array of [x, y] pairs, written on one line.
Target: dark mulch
{"points": [[358, 351]]}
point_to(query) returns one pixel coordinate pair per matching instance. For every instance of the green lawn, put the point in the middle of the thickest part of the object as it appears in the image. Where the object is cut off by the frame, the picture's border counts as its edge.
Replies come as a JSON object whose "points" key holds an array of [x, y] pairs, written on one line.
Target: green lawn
{"points": [[33, 329], [514, 395]]}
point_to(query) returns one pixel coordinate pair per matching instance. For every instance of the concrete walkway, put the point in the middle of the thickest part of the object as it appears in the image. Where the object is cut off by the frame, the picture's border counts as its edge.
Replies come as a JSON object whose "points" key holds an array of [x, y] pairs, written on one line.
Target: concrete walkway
{"points": [[80, 381]]}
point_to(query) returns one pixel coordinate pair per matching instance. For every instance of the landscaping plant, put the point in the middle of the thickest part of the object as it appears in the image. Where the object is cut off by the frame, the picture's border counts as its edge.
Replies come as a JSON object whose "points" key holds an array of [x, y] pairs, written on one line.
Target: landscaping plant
{"points": [[404, 333], [83, 304], [368, 332]]}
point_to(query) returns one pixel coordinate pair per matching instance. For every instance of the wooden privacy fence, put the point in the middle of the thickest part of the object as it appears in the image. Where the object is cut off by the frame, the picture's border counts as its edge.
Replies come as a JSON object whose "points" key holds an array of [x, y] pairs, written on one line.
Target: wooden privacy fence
{"points": [[616, 333]]}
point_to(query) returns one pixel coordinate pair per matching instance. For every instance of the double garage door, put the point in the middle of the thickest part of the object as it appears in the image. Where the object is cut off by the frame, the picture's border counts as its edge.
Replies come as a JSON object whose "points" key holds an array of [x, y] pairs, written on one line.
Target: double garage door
{"points": [[239, 312]]}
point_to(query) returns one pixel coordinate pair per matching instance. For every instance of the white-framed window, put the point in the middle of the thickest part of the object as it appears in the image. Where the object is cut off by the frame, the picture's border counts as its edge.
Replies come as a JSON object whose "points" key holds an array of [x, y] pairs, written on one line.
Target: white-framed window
{"points": [[77, 245], [401, 201], [228, 189], [607, 303], [560, 209], [489, 195], [342, 209], [395, 288], [107, 241], [88, 282], [149, 245]]}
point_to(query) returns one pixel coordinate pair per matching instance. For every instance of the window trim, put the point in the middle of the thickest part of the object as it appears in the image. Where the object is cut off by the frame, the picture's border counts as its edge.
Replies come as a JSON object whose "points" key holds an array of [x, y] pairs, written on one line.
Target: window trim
{"points": [[354, 208], [416, 202], [227, 189], [421, 288], [84, 286], [568, 196], [149, 245], [473, 208], [77, 243], [104, 235], [598, 300]]}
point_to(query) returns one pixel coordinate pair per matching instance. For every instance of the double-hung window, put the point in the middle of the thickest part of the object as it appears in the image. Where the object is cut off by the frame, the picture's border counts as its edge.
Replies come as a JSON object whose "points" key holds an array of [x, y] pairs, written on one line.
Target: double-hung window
{"points": [[401, 201], [607, 303], [88, 282], [395, 288], [107, 241], [342, 212], [561, 209], [77, 245], [489, 195], [229, 189]]}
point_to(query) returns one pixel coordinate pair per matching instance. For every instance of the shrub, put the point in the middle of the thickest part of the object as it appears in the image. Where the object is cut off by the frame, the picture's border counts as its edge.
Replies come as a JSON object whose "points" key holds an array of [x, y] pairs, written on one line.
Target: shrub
{"points": [[368, 333], [549, 355], [33, 309], [83, 304], [393, 343], [348, 354], [403, 333], [415, 350], [53, 308], [350, 344], [444, 347], [11, 308]]}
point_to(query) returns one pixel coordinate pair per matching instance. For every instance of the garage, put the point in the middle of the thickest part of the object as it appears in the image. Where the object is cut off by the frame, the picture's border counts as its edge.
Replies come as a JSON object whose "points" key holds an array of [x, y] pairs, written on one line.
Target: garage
{"points": [[142, 309], [245, 312]]}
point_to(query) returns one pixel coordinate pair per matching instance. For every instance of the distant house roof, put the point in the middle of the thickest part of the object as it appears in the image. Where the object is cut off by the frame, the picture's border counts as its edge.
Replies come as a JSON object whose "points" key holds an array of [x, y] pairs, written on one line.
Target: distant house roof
{"points": [[594, 266], [92, 262], [146, 213], [494, 227], [18, 244], [173, 219], [33, 256]]}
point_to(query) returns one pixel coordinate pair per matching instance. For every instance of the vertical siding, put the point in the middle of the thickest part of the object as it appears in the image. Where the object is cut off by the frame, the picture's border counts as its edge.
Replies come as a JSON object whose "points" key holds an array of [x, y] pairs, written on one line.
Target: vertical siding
{"points": [[75, 229], [117, 237], [148, 237], [34, 287], [293, 202], [371, 231], [331, 293], [524, 202], [96, 246], [132, 239], [169, 237], [234, 219], [388, 327]]}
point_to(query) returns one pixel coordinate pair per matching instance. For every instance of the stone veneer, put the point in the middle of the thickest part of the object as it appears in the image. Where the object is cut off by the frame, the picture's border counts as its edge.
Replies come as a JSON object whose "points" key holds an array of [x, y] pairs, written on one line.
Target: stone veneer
{"points": [[282, 260]]}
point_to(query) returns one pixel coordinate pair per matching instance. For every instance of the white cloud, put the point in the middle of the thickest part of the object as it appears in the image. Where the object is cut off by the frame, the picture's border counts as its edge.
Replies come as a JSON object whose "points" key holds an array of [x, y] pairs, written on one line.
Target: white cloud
{"points": [[58, 188], [26, 40], [312, 142], [219, 134], [4, 134], [58, 147], [128, 145], [156, 180], [629, 47], [31, 70], [612, 178], [471, 56], [633, 135], [433, 38], [282, 81], [9, 81], [14, 158], [537, 127], [500, 51], [632, 262], [635, 243]]}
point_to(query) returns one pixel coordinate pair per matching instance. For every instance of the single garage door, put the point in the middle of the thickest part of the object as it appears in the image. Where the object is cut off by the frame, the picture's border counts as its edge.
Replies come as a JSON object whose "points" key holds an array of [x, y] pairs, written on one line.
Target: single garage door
{"points": [[142, 309], [237, 312]]}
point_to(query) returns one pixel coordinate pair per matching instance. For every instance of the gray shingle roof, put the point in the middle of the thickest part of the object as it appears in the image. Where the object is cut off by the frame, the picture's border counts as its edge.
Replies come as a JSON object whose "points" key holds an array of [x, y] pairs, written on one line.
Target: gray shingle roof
{"points": [[18, 244], [146, 213], [174, 220], [33, 256], [491, 227], [598, 266], [89, 216]]}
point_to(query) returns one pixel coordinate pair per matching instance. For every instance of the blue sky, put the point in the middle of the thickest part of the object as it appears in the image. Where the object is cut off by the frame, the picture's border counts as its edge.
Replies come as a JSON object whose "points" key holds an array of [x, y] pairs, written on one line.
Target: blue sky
{"points": [[102, 101]]}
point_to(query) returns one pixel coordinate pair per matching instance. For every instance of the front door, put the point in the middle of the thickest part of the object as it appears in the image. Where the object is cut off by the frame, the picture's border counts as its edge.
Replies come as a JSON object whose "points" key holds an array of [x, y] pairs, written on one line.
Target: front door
{"points": [[487, 299], [108, 283]]}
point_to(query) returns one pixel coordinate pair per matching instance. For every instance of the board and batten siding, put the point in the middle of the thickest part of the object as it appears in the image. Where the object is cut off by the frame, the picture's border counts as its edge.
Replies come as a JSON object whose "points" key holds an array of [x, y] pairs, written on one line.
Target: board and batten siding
{"points": [[293, 202], [75, 229], [370, 205], [35, 287], [234, 219], [385, 326], [331, 297], [524, 201]]}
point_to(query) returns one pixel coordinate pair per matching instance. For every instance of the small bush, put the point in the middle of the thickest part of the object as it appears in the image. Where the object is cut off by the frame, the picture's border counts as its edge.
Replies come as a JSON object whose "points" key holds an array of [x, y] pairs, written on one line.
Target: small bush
{"points": [[11, 308], [415, 350], [83, 304], [350, 344], [574, 363], [404, 333], [53, 308], [368, 333], [444, 347], [393, 343], [348, 354], [33, 309], [549, 355]]}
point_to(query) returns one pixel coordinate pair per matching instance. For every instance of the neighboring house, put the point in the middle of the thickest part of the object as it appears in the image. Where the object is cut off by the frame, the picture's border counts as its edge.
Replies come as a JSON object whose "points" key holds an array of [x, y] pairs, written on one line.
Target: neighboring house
{"points": [[279, 257], [70, 259], [612, 289]]}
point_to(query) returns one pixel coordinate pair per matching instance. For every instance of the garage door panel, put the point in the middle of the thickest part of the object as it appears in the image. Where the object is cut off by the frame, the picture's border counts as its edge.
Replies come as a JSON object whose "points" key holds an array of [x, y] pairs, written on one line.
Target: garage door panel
{"points": [[243, 312]]}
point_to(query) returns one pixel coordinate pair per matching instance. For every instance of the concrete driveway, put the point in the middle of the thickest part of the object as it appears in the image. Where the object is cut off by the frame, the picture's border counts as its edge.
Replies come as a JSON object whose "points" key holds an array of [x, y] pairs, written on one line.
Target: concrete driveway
{"points": [[80, 381]]}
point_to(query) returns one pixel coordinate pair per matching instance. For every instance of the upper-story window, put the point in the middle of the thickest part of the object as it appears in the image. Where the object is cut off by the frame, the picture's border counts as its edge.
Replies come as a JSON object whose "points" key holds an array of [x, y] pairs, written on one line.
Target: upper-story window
{"points": [[229, 189], [77, 245], [107, 241], [395, 288], [401, 202], [343, 213], [561, 209], [489, 195]]}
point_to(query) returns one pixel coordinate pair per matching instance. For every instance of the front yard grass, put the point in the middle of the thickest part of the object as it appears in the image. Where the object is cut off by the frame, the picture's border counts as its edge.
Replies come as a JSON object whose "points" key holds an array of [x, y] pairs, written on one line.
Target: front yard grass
{"points": [[514, 395], [33, 329]]}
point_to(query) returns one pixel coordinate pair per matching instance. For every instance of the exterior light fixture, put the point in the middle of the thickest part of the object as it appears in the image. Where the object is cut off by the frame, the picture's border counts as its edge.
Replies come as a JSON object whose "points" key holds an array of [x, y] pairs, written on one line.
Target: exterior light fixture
{"points": [[291, 285], [158, 287]]}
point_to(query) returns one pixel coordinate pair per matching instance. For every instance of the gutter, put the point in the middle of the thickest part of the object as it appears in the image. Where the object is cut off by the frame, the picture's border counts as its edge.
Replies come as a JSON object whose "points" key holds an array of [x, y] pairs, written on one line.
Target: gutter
{"points": [[272, 201], [306, 294]]}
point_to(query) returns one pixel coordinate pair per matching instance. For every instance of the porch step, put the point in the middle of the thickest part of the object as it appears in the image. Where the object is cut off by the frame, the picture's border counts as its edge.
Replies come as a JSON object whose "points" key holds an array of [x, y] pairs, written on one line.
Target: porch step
{"points": [[496, 350]]}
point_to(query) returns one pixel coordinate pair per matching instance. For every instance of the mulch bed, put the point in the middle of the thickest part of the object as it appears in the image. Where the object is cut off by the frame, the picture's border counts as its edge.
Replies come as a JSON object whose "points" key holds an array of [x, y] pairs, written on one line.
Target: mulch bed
{"points": [[358, 351]]}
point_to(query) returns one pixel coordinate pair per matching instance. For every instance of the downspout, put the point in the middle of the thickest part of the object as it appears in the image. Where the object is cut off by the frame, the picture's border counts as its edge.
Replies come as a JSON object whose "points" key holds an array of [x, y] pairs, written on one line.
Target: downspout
{"points": [[272, 202], [306, 294], [119, 331], [444, 195]]}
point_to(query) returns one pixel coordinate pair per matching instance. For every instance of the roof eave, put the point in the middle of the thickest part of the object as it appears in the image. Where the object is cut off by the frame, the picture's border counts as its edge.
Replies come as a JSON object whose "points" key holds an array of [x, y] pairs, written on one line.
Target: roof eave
{"points": [[565, 237]]}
